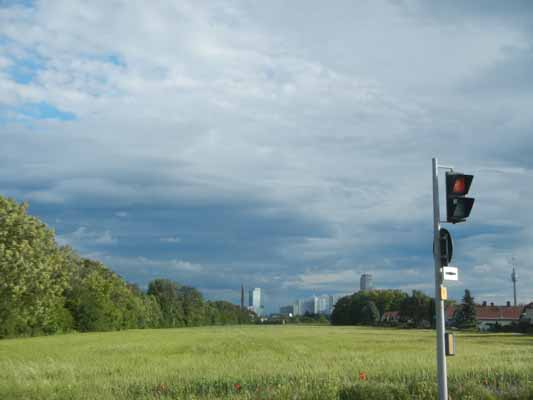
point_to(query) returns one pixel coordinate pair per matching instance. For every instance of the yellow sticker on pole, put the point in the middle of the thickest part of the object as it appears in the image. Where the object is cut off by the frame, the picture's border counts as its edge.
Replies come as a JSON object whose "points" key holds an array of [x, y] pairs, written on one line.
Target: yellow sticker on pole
{"points": [[443, 293]]}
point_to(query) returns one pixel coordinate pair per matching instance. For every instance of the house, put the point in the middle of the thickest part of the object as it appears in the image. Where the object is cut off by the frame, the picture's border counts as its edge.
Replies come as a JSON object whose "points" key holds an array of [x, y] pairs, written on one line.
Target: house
{"points": [[487, 316], [527, 314], [391, 317]]}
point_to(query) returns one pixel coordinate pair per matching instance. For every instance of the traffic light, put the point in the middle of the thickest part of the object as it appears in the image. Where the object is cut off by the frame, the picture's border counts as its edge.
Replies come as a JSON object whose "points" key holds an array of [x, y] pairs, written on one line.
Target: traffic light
{"points": [[458, 206]]}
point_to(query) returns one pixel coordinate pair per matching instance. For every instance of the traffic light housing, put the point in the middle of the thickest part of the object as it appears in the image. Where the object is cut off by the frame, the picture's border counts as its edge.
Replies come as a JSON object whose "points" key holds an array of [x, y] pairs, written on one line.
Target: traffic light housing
{"points": [[458, 206]]}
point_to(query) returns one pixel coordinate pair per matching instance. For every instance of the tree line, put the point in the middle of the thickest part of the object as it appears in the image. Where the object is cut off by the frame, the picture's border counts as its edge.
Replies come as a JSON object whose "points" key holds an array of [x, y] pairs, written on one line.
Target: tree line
{"points": [[416, 309], [367, 306], [46, 288]]}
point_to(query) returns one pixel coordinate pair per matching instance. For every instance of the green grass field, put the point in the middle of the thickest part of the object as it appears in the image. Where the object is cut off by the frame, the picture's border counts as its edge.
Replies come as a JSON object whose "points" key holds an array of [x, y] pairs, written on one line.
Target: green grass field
{"points": [[262, 362]]}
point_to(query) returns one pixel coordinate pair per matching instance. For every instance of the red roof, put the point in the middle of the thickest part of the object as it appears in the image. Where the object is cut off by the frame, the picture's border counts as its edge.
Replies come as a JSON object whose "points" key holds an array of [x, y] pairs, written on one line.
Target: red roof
{"points": [[391, 314], [499, 313], [492, 313]]}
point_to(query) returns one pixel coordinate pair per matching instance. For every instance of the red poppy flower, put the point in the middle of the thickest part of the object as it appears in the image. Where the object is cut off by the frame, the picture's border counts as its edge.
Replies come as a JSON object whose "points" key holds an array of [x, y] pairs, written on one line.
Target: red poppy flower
{"points": [[362, 376], [237, 387]]}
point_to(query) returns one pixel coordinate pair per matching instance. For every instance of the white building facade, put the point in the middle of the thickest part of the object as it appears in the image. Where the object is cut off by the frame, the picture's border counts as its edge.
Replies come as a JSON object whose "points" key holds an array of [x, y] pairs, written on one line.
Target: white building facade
{"points": [[255, 301], [323, 304]]}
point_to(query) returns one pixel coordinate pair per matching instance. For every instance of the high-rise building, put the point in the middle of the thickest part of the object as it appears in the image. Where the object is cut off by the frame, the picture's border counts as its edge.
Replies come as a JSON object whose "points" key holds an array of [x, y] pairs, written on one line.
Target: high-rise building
{"points": [[366, 282], [310, 306], [255, 301], [298, 307], [324, 304]]}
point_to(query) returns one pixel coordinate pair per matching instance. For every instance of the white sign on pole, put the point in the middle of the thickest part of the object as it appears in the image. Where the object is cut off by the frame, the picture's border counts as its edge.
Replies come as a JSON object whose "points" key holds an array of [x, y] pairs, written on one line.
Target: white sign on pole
{"points": [[450, 273]]}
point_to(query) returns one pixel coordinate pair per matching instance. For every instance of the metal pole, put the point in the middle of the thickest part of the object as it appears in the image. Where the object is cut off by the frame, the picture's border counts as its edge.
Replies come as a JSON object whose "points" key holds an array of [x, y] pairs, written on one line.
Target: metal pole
{"points": [[439, 303]]}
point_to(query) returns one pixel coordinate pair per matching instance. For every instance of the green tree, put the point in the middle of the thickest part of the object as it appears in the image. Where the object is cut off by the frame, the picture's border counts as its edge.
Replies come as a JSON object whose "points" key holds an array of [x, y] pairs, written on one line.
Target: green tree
{"points": [[193, 306], [153, 315], [358, 301], [166, 293], [148, 312], [417, 308], [341, 311], [225, 313], [350, 310], [465, 316], [33, 277], [89, 299], [100, 300], [370, 313], [386, 299]]}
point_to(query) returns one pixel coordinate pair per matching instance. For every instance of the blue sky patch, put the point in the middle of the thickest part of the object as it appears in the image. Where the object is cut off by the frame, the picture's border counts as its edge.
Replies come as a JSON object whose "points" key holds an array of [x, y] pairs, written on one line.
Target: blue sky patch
{"points": [[34, 111], [25, 71], [11, 3], [45, 110], [115, 59]]}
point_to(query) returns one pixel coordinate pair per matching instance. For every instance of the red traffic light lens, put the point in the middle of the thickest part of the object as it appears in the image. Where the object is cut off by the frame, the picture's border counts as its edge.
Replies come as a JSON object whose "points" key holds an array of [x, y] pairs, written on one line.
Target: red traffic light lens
{"points": [[459, 185]]}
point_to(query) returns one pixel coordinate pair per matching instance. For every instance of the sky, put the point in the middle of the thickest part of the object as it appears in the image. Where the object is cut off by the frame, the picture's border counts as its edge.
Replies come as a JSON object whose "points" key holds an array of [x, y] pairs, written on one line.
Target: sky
{"points": [[281, 145]]}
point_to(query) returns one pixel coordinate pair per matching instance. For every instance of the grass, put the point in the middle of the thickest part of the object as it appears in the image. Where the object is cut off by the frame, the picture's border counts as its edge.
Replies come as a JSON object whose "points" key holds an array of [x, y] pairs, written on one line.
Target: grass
{"points": [[262, 362]]}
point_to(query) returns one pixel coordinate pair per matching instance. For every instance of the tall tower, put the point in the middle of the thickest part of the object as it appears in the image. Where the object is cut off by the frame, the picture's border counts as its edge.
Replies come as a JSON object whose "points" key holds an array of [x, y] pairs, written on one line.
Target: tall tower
{"points": [[366, 282], [514, 279], [242, 296]]}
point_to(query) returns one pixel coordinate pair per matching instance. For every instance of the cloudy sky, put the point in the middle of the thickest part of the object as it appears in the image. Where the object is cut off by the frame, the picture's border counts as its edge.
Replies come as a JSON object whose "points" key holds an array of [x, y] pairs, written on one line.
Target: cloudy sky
{"points": [[285, 145]]}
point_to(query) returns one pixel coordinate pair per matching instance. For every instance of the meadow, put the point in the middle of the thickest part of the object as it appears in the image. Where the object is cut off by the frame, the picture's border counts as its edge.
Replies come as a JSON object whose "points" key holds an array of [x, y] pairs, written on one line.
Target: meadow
{"points": [[262, 362]]}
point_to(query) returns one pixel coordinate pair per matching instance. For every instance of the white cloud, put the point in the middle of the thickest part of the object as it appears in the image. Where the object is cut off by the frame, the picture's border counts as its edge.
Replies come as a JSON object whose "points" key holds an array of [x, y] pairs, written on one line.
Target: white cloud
{"points": [[173, 264], [83, 237], [105, 238], [315, 280], [171, 239]]}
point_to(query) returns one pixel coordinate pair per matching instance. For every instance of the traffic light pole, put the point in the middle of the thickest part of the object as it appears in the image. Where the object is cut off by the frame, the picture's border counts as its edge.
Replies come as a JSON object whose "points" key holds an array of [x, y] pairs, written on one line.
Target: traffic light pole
{"points": [[442, 375]]}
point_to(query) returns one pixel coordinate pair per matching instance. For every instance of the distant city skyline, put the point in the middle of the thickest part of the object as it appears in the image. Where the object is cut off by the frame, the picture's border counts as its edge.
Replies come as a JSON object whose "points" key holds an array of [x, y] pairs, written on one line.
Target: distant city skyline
{"points": [[322, 304], [317, 303]]}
